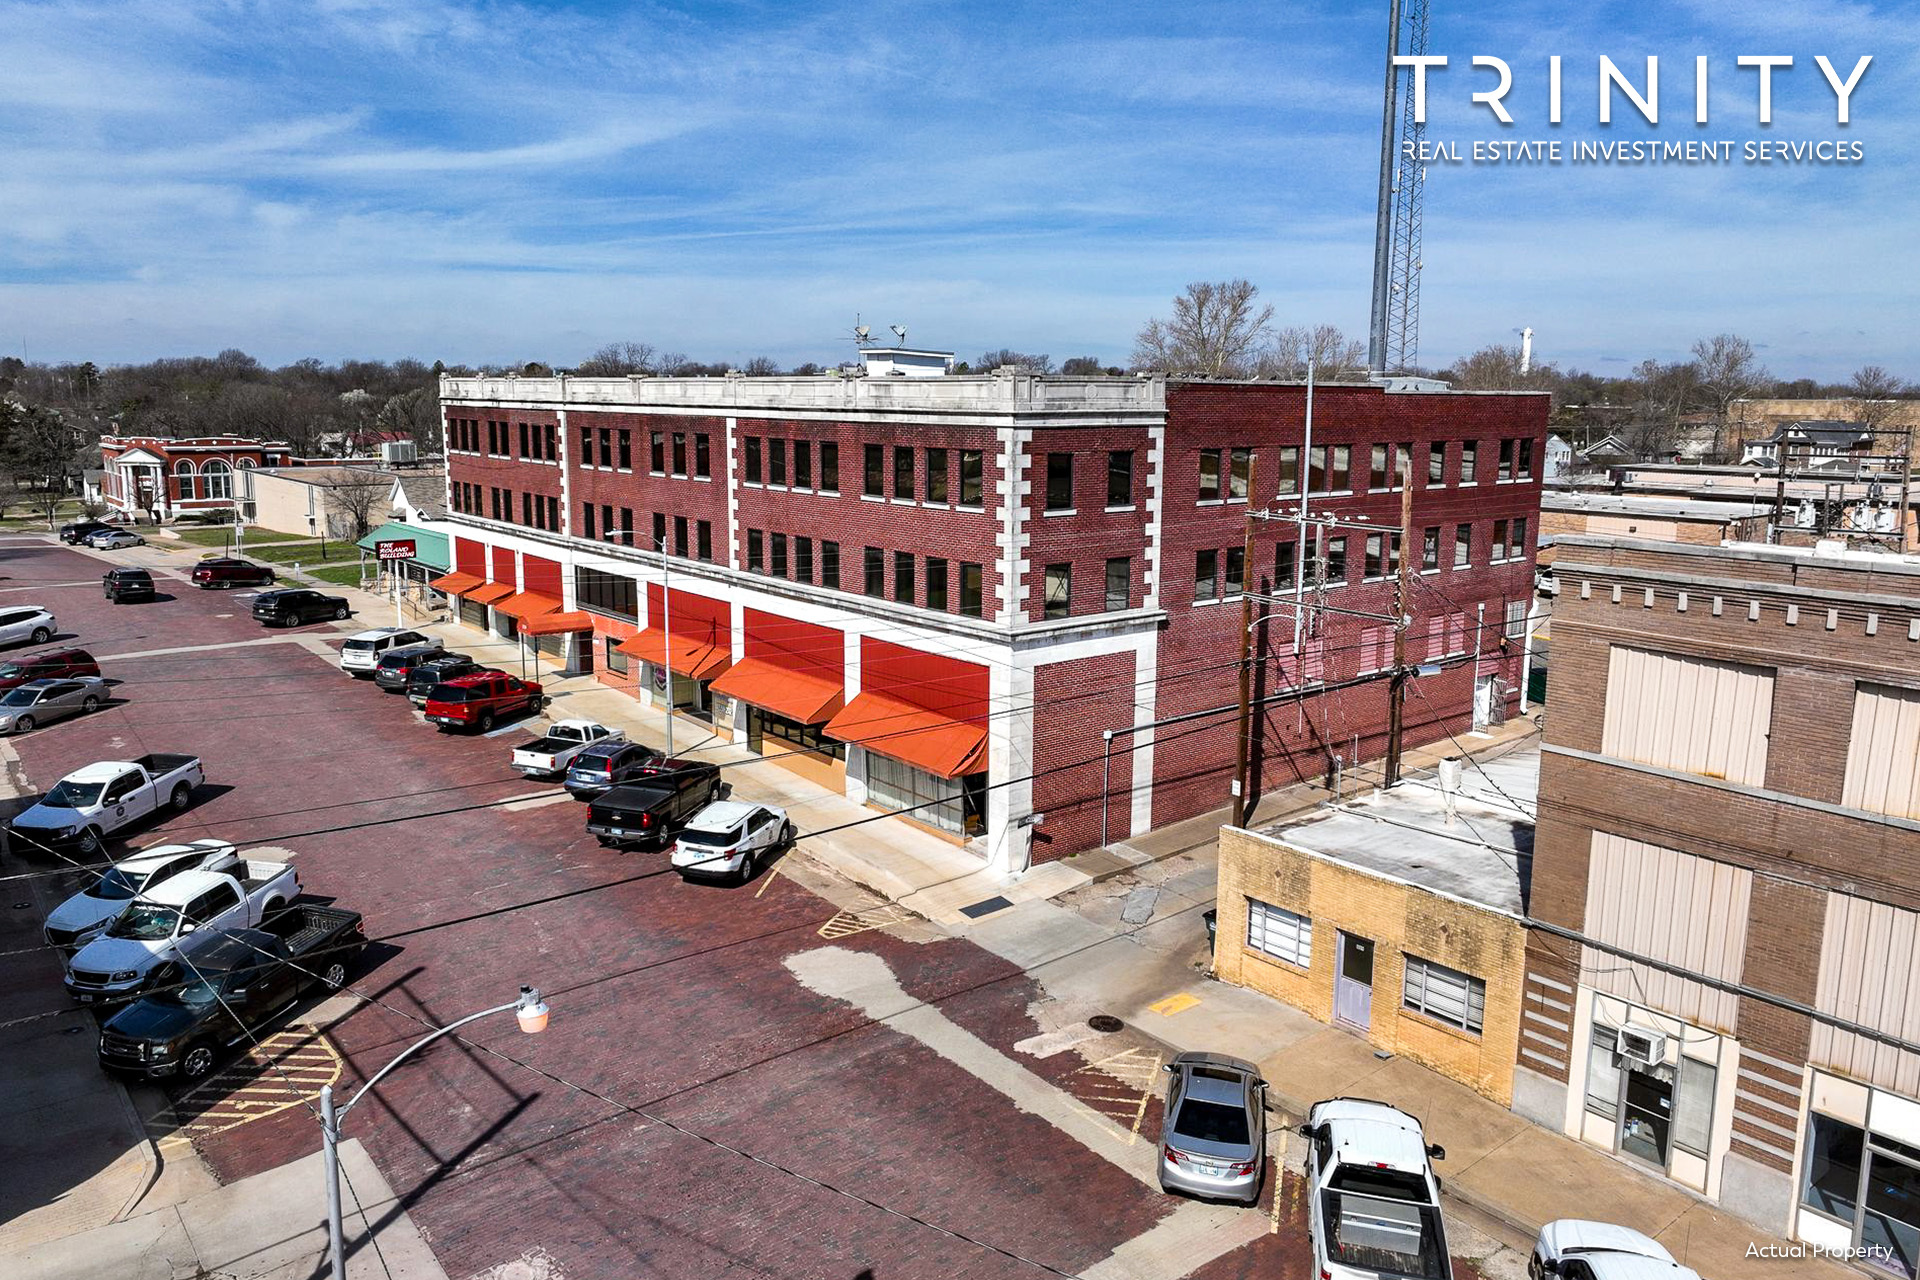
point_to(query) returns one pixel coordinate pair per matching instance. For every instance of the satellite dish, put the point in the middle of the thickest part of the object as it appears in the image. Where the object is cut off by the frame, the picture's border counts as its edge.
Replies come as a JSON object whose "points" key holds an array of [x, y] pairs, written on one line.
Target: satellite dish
{"points": [[861, 331], [900, 331]]}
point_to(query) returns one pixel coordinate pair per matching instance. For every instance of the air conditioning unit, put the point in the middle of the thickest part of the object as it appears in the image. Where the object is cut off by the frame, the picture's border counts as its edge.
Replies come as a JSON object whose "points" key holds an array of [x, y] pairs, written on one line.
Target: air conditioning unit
{"points": [[399, 451], [1639, 1044]]}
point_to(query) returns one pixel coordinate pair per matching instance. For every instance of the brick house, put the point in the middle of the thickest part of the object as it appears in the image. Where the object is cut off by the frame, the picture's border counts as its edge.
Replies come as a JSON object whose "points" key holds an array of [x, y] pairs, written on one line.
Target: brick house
{"points": [[1726, 879], [1009, 604], [161, 479]]}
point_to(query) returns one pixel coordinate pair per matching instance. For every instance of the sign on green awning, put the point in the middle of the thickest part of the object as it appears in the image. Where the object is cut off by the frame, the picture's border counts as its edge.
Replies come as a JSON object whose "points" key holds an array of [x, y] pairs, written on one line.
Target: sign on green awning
{"points": [[430, 546]]}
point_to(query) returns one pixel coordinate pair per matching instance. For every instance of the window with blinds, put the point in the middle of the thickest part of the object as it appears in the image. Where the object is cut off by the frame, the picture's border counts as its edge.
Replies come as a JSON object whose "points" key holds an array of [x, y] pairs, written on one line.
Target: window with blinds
{"points": [[1691, 714], [1279, 933], [1445, 994]]}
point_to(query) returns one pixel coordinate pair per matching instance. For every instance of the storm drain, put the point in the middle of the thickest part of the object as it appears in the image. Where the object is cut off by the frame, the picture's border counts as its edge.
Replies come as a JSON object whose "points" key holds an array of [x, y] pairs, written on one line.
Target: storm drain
{"points": [[1105, 1023], [986, 908]]}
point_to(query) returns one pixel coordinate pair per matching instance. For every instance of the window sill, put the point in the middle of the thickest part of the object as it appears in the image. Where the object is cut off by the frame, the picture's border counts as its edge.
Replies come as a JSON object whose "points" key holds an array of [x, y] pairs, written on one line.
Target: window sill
{"points": [[1447, 1028], [1254, 953], [1201, 604], [903, 502], [1051, 512], [975, 510], [865, 497], [1209, 502], [1114, 511]]}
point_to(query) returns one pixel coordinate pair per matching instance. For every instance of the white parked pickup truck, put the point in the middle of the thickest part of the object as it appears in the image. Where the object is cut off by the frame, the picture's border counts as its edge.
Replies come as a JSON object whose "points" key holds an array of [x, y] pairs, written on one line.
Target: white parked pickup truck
{"points": [[89, 804], [549, 757], [137, 949], [74, 922]]}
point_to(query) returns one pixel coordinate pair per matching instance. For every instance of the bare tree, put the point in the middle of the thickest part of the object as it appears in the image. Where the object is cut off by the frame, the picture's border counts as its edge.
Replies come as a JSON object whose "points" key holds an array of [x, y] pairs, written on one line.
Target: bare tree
{"points": [[1215, 331], [1021, 360], [1083, 367], [1335, 356], [1663, 394], [1871, 394], [760, 367], [1728, 371], [353, 503], [617, 359]]}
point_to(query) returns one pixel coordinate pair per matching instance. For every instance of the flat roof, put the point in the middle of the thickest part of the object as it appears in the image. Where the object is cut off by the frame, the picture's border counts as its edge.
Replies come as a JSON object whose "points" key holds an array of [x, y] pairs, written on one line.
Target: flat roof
{"points": [[1481, 852], [1834, 556], [1640, 504]]}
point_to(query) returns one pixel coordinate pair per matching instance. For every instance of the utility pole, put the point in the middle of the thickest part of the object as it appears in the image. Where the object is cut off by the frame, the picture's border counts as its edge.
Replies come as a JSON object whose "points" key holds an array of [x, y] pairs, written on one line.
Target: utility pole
{"points": [[1397, 688], [1242, 810]]}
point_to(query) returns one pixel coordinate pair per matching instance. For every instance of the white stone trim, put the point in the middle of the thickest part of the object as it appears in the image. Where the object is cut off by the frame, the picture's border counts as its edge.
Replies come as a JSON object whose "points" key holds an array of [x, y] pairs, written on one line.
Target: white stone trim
{"points": [[1156, 507]]}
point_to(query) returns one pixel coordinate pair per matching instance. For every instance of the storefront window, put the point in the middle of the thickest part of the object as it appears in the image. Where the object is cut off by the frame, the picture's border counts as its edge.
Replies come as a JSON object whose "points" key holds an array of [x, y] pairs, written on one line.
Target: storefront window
{"points": [[794, 736], [1834, 1152], [1603, 1073], [1693, 1108], [948, 804]]}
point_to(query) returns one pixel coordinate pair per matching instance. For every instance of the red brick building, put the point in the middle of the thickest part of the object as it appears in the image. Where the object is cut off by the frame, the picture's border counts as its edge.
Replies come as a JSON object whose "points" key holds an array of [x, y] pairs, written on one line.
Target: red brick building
{"points": [[945, 594], [162, 479]]}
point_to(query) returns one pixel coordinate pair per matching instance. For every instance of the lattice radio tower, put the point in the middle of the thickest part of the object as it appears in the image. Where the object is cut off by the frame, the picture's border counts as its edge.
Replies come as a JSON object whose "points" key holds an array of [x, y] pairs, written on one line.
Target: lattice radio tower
{"points": [[1393, 338]]}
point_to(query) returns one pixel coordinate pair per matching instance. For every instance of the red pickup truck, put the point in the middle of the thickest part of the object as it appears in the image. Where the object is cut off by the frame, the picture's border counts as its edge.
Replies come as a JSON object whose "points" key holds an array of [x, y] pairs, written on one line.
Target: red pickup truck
{"points": [[474, 702]]}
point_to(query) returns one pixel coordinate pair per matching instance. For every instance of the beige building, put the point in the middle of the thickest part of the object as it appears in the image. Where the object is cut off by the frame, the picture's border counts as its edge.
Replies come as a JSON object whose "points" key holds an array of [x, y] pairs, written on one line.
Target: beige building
{"points": [[1398, 917], [333, 502], [1658, 516]]}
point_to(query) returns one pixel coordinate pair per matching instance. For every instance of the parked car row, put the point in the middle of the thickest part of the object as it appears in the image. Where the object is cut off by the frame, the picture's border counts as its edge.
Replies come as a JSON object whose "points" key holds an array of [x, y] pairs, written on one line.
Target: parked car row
{"points": [[100, 535]]}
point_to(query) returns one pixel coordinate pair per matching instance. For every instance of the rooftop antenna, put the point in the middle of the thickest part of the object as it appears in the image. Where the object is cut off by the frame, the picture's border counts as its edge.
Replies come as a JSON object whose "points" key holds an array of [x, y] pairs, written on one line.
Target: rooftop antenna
{"points": [[899, 331], [1526, 349], [860, 331]]}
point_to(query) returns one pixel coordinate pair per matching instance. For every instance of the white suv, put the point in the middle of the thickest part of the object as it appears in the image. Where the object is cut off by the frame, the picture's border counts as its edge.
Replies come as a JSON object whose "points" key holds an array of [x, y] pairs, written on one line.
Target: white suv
{"points": [[361, 653], [1374, 1202], [26, 626], [1572, 1249], [728, 838]]}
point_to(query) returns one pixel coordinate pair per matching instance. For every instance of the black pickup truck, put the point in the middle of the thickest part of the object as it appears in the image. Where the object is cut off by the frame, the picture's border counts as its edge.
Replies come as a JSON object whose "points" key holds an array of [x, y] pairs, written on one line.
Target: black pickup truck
{"points": [[645, 812], [230, 988]]}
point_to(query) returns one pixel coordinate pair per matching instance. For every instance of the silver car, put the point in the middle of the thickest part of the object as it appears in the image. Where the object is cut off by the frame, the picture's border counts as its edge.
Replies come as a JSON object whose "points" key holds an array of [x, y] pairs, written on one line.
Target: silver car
{"points": [[1215, 1138], [43, 701], [114, 539]]}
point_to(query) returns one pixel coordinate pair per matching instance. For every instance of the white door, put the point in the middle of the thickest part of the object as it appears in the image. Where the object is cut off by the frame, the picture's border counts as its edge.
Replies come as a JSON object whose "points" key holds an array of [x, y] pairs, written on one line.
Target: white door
{"points": [[1482, 701]]}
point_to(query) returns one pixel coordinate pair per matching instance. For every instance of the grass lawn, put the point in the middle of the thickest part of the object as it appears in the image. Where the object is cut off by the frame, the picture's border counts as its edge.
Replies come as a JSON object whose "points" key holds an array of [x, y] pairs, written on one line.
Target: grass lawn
{"points": [[304, 552], [341, 575], [221, 535]]}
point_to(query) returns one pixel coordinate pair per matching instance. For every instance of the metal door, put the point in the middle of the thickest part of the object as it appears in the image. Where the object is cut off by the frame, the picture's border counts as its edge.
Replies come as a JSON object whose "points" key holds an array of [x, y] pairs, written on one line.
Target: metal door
{"points": [[1353, 982]]}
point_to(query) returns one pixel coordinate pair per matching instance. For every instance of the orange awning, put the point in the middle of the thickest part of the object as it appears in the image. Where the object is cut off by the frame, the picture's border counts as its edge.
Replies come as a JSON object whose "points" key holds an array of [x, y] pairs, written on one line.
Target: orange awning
{"points": [[527, 604], [489, 593], [805, 697], [556, 624], [456, 584], [694, 658], [944, 747]]}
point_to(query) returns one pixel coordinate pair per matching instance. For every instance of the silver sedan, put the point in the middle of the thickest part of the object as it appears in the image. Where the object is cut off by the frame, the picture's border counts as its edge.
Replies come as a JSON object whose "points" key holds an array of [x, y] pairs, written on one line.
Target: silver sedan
{"points": [[1215, 1139], [42, 701]]}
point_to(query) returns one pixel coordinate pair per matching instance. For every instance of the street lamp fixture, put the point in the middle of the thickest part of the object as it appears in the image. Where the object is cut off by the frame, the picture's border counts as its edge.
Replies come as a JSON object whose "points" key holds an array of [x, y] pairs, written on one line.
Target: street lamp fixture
{"points": [[529, 1010]]}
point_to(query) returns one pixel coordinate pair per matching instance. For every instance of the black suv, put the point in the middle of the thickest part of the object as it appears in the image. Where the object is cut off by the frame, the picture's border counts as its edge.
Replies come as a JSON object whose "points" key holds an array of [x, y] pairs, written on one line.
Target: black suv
{"points": [[72, 533], [395, 665], [647, 811], [607, 764], [122, 585], [297, 606], [423, 676]]}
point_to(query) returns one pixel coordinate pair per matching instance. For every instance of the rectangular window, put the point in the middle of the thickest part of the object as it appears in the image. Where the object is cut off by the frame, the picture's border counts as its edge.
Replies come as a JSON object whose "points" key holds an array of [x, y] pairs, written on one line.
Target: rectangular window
{"points": [[606, 521], [1337, 559], [776, 461], [972, 470], [751, 455], [1339, 468], [1393, 553], [1206, 576], [657, 451], [1289, 470], [553, 514], [972, 594], [876, 572], [1058, 599], [777, 562], [1285, 568], [1209, 475], [1519, 547], [937, 476], [586, 520], [586, 446], [1239, 474], [1603, 1073], [526, 508], [756, 551], [1509, 455], [1498, 549], [616, 660], [1376, 562], [703, 540], [1273, 931], [1526, 458], [874, 479], [702, 456], [606, 593], [1317, 469], [1120, 477], [526, 441], [680, 535], [1236, 572], [1377, 476], [551, 434], [1836, 1151], [903, 584], [936, 583], [1469, 458], [903, 473], [660, 532], [1693, 1106], [1430, 548], [830, 564], [1444, 994], [626, 450], [1402, 465], [1462, 546], [802, 464], [829, 466], [803, 559], [680, 453], [1436, 465], [1119, 583], [626, 522], [1059, 482], [606, 447]]}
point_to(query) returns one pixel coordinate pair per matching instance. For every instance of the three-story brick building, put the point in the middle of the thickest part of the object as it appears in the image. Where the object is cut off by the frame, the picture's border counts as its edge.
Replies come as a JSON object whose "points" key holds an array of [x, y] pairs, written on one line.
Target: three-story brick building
{"points": [[1009, 605]]}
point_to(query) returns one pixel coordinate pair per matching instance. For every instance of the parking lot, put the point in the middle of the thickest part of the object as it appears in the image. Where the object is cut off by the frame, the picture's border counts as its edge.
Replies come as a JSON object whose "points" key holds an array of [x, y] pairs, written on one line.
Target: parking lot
{"points": [[789, 1078]]}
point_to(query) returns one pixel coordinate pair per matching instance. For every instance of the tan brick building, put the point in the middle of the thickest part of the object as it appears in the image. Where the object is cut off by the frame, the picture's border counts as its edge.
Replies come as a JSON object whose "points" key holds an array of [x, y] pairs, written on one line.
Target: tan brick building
{"points": [[1723, 983], [1397, 917]]}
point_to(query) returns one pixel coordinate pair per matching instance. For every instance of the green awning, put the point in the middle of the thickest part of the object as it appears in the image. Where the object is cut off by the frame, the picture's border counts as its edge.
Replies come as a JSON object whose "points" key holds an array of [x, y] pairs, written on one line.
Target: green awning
{"points": [[429, 547]]}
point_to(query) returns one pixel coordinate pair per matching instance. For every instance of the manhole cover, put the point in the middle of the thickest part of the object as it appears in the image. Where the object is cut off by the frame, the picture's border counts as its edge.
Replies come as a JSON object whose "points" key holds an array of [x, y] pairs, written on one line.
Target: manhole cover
{"points": [[1105, 1023]]}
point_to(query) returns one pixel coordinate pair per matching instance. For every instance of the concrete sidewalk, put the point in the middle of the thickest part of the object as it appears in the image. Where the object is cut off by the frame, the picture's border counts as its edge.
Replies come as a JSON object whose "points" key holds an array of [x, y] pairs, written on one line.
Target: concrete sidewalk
{"points": [[271, 1226]]}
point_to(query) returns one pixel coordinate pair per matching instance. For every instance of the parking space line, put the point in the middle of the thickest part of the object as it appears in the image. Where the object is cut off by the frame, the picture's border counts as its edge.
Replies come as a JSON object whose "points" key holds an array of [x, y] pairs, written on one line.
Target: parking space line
{"points": [[1134, 1072], [847, 923], [535, 800], [766, 881]]}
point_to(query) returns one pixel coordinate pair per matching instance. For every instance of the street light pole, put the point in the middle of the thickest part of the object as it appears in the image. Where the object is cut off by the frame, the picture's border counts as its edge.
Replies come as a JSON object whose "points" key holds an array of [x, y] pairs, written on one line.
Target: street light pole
{"points": [[531, 1011]]}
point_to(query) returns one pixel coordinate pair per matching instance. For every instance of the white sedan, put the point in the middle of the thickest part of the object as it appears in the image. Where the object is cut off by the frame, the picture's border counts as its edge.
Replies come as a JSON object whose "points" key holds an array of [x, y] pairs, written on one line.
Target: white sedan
{"points": [[114, 539], [729, 839]]}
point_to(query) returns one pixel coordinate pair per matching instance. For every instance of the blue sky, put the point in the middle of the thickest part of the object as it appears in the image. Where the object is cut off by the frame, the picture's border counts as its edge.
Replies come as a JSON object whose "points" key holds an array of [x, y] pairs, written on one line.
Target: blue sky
{"points": [[489, 182]]}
